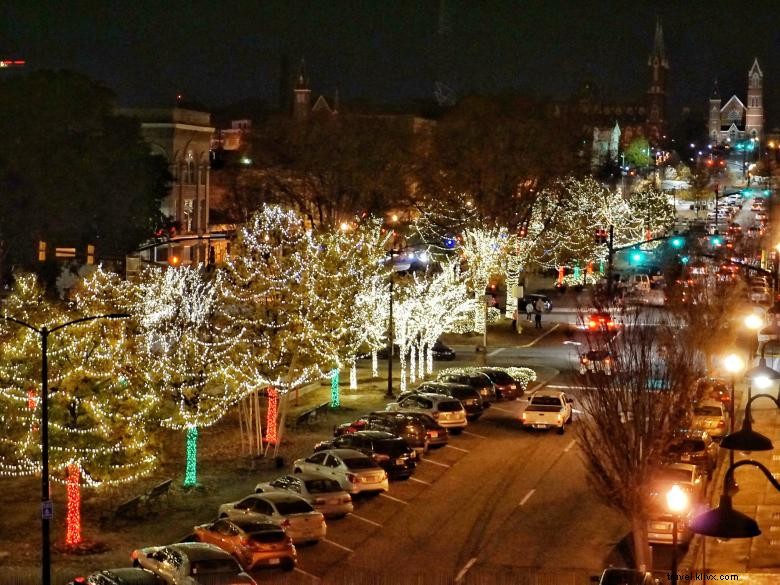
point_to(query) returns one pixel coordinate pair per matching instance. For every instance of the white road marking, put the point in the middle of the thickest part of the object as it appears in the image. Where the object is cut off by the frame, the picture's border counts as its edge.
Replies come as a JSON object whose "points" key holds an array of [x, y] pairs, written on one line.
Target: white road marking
{"points": [[420, 481], [502, 409], [434, 462], [465, 569], [384, 495], [337, 545], [456, 448], [312, 577], [474, 435], [366, 520], [545, 334], [527, 496], [569, 446], [495, 351]]}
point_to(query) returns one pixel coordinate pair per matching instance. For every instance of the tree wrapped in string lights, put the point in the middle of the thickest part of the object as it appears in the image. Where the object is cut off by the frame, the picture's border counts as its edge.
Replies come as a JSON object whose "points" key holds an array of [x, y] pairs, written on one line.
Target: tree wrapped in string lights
{"points": [[98, 412], [484, 249], [187, 352], [266, 294]]}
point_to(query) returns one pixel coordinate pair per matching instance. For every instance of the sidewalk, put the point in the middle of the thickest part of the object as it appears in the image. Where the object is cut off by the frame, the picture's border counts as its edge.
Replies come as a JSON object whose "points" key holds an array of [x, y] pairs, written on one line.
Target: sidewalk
{"points": [[756, 497]]}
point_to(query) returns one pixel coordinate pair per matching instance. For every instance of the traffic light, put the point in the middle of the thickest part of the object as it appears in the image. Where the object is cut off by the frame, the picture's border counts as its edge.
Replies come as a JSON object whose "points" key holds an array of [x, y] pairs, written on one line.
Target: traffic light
{"points": [[174, 260], [677, 242], [90, 253], [685, 259], [601, 236], [637, 257], [716, 241]]}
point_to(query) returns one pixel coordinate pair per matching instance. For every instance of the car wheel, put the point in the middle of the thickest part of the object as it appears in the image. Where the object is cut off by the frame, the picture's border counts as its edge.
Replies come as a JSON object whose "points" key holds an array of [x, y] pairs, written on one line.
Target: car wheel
{"points": [[456, 431], [288, 565], [570, 419], [297, 470], [561, 430]]}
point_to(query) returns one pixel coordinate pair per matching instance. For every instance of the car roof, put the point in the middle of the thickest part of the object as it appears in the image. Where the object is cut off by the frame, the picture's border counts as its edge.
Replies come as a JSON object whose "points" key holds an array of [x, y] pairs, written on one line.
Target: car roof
{"points": [[244, 522], [436, 398], [709, 402], [346, 453], [555, 393], [449, 385], [130, 576], [378, 435], [305, 476], [197, 551]]}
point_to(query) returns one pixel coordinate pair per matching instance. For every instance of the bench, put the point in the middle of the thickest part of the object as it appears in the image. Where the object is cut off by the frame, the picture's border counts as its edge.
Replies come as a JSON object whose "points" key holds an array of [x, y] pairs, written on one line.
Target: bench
{"points": [[310, 415], [157, 492], [128, 510]]}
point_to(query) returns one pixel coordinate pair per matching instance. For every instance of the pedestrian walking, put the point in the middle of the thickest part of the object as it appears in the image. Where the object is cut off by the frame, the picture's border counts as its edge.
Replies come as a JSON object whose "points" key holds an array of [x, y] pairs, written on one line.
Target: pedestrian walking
{"points": [[514, 320], [529, 310], [538, 308]]}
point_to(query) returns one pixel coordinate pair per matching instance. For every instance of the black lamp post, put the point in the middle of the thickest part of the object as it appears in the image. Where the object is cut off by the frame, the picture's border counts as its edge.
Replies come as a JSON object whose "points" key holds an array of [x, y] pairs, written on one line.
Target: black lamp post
{"points": [[746, 439], [389, 393], [724, 521], [47, 511]]}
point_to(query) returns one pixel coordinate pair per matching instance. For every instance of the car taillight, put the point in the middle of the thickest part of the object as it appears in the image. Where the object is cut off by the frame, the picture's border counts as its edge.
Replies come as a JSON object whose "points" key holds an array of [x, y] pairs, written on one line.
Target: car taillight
{"points": [[285, 523], [560, 418], [513, 386], [584, 360], [524, 416], [320, 501], [592, 324], [352, 478], [381, 457], [721, 423], [346, 499], [610, 324], [435, 414], [80, 580], [606, 360]]}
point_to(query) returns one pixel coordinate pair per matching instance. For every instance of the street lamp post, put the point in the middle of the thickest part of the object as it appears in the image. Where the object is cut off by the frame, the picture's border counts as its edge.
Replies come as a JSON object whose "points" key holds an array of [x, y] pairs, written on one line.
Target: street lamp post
{"points": [[677, 501], [389, 393], [734, 365], [46, 504]]}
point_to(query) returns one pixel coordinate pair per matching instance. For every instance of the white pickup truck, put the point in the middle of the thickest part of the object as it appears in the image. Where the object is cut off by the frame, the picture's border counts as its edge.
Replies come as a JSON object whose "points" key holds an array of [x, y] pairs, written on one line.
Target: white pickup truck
{"points": [[547, 409]]}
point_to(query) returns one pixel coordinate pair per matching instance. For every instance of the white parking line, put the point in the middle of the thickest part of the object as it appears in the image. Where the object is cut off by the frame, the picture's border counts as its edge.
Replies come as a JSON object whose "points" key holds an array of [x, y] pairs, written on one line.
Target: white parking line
{"points": [[420, 481], [434, 462], [528, 495], [313, 577], [495, 351], [384, 495], [571, 387], [457, 448], [474, 434], [501, 409], [337, 545], [569, 446], [465, 569], [366, 520]]}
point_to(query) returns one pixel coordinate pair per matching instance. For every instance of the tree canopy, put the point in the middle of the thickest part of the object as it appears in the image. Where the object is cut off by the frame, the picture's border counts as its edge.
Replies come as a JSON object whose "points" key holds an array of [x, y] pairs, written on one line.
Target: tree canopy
{"points": [[72, 171]]}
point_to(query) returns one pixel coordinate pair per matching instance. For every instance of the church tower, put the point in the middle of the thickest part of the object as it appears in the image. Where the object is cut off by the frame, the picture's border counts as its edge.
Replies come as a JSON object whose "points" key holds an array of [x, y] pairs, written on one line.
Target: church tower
{"points": [[754, 118], [656, 95], [302, 99], [714, 124]]}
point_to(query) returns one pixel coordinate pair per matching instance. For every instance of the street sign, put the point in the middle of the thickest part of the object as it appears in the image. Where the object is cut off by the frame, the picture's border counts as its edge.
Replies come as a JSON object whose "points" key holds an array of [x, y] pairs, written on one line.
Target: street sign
{"points": [[47, 510]]}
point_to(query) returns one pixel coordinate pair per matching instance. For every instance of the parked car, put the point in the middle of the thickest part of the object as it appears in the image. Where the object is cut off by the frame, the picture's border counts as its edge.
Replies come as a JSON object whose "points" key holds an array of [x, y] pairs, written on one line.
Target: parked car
{"points": [[547, 409], [392, 453], [759, 294], [356, 472], [468, 396], [596, 361], [660, 523], [532, 298], [507, 388], [470, 377], [123, 576], [253, 544], [710, 416], [695, 447], [323, 493], [616, 576], [191, 563], [714, 389], [447, 411], [294, 514], [418, 433], [442, 352]]}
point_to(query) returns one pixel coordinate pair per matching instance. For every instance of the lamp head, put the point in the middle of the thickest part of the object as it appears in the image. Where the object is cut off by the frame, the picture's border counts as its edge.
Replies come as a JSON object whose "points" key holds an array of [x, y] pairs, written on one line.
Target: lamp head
{"points": [[733, 363], [677, 499], [725, 522], [746, 439], [754, 322], [762, 371]]}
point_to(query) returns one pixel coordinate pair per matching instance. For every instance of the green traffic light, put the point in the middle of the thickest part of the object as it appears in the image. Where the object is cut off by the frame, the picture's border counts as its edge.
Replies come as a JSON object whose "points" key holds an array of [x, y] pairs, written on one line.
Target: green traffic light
{"points": [[716, 241], [678, 242], [685, 259], [636, 257]]}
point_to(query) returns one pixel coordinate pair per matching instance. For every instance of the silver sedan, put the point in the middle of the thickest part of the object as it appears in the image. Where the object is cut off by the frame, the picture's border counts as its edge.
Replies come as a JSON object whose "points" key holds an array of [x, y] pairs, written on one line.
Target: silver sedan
{"points": [[322, 492]]}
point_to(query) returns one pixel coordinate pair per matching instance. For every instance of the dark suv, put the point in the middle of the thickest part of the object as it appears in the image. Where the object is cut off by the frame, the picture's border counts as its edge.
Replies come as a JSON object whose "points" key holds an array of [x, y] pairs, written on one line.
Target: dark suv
{"points": [[507, 388], [696, 447], [391, 452], [469, 398], [470, 377], [400, 424]]}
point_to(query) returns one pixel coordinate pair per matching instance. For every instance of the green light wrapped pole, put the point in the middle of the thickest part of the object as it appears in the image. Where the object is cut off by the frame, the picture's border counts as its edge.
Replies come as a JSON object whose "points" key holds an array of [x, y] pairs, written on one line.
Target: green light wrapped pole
{"points": [[191, 471], [335, 397]]}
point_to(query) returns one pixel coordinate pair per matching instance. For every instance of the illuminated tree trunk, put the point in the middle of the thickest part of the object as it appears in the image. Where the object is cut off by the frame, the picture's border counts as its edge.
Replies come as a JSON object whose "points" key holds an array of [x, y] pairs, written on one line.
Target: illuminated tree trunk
{"points": [[374, 365], [353, 375], [512, 276], [191, 470], [421, 361], [335, 392], [73, 517], [270, 417], [413, 364], [429, 358], [403, 368]]}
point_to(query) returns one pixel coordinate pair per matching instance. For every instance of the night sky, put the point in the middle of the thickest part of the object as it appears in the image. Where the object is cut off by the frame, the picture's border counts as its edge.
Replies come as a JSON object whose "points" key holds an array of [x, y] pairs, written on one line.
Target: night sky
{"points": [[220, 52]]}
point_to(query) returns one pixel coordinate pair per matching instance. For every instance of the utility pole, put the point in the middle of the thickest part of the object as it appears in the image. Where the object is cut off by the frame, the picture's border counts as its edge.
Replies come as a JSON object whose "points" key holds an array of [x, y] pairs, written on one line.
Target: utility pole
{"points": [[389, 393], [610, 254]]}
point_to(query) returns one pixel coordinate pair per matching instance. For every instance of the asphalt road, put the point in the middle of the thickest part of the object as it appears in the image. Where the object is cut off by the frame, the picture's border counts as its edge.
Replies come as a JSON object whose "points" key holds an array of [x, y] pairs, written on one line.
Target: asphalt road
{"points": [[496, 501]]}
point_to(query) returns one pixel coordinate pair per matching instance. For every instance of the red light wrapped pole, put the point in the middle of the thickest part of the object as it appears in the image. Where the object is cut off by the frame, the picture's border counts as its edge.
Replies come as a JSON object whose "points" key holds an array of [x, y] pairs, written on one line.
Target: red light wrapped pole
{"points": [[73, 518]]}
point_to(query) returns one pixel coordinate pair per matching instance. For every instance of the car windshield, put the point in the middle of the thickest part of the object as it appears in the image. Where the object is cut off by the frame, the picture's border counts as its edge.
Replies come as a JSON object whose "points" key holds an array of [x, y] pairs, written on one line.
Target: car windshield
{"points": [[597, 354], [268, 536], [674, 475], [449, 406], [688, 446], [322, 486], [286, 507], [707, 411], [546, 401], [225, 566], [427, 421], [360, 463], [500, 377], [390, 446]]}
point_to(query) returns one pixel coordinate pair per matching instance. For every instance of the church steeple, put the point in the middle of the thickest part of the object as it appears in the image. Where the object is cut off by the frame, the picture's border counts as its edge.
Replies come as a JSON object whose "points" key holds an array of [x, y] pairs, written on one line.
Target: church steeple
{"points": [[754, 115], [302, 101], [656, 94], [659, 49]]}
